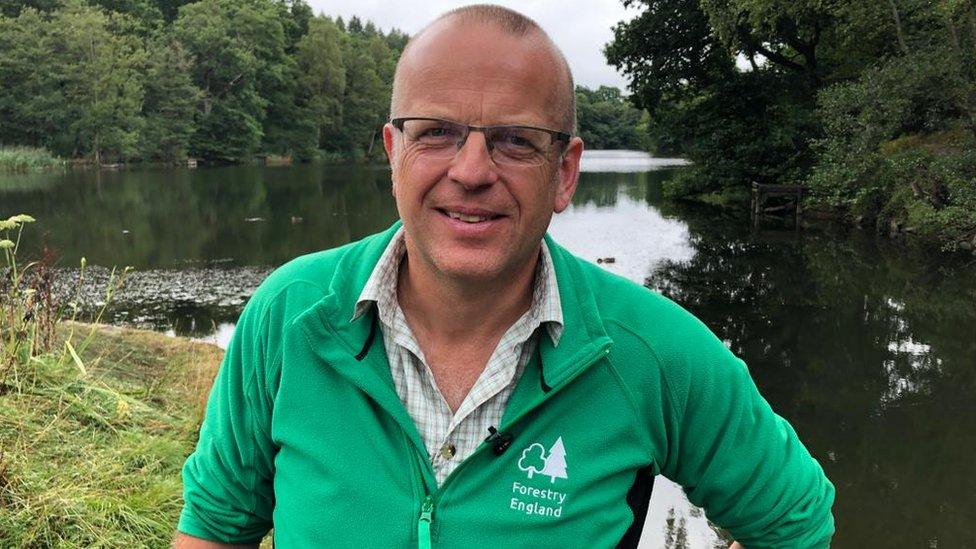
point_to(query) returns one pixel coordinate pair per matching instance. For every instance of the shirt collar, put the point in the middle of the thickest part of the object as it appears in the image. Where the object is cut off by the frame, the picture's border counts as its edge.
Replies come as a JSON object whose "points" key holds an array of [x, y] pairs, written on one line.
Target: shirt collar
{"points": [[381, 289]]}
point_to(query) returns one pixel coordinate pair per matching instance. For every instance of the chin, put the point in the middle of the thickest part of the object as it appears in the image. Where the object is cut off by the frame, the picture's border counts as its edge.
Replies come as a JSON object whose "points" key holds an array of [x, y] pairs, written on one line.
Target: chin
{"points": [[469, 269]]}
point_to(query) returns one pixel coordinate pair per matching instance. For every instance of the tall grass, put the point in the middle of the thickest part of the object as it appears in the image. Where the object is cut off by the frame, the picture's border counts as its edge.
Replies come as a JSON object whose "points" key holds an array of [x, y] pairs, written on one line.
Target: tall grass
{"points": [[25, 159], [95, 422], [91, 455]]}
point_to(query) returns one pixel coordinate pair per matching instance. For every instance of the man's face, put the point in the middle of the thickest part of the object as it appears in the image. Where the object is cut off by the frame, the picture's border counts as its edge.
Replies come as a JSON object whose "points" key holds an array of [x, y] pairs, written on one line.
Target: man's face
{"points": [[479, 75]]}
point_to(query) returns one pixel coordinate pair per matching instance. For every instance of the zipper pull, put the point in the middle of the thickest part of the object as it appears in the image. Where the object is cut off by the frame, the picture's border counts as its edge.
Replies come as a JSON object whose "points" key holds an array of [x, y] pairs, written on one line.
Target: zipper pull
{"points": [[423, 524]]}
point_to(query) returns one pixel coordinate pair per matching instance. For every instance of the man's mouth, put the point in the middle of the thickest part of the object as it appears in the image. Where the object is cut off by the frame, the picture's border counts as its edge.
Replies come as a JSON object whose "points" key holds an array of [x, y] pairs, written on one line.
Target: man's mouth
{"points": [[469, 218]]}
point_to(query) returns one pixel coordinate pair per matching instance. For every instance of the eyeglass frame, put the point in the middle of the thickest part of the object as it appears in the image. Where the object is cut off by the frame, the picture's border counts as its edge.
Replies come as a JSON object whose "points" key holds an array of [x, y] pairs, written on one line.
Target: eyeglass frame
{"points": [[555, 135]]}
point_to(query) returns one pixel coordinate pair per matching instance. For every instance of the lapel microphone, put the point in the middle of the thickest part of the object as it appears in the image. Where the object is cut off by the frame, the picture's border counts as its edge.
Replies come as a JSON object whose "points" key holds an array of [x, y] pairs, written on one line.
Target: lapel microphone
{"points": [[499, 441]]}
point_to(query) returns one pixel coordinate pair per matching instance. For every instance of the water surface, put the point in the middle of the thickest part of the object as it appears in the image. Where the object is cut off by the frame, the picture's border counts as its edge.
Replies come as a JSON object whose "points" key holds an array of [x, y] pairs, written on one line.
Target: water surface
{"points": [[868, 347]]}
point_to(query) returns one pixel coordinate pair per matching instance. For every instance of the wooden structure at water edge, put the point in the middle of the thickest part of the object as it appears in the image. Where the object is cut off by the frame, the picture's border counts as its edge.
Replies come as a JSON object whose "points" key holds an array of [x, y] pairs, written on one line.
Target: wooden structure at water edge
{"points": [[777, 201]]}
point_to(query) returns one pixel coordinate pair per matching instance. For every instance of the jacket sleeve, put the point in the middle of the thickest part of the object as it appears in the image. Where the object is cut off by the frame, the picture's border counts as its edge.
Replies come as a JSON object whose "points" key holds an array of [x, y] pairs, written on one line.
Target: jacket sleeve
{"points": [[734, 457], [227, 481]]}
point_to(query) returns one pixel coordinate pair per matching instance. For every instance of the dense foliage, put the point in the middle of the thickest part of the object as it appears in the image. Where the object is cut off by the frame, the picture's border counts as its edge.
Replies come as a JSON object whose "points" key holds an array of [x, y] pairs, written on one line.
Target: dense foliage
{"points": [[220, 80], [872, 105], [607, 120]]}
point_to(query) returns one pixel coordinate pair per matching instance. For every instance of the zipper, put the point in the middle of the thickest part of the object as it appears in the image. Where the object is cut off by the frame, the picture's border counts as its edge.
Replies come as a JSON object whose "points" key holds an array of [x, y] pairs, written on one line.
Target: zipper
{"points": [[423, 523], [427, 509]]}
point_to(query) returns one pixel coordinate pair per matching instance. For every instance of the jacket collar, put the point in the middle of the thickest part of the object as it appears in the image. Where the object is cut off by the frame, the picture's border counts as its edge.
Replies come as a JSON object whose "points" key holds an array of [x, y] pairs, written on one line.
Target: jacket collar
{"points": [[583, 337]]}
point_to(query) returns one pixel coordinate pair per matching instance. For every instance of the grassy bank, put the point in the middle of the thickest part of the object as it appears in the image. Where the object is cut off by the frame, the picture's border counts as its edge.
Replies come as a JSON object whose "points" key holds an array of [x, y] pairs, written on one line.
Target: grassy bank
{"points": [[26, 159], [92, 448]]}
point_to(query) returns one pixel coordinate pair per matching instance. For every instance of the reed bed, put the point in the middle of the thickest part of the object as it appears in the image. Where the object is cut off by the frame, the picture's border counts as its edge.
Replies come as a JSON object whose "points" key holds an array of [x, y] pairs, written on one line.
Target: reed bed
{"points": [[27, 159]]}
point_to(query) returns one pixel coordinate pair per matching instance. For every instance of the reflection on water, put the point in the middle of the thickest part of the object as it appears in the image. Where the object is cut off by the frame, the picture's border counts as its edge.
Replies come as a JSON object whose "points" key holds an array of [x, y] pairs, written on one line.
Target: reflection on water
{"points": [[626, 234], [868, 349], [626, 162], [242, 215]]}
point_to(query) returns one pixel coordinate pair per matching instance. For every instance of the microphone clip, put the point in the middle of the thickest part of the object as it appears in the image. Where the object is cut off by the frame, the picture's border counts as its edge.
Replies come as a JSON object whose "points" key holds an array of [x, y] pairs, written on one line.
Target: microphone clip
{"points": [[499, 441]]}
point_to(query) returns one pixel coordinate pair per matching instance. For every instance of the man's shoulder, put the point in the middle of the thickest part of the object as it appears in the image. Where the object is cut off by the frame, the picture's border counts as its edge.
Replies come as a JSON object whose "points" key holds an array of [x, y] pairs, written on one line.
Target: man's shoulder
{"points": [[647, 328], [306, 279], [622, 301]]}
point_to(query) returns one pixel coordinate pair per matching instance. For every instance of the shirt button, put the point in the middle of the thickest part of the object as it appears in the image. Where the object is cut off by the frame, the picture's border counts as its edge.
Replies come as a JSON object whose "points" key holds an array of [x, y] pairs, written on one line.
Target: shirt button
{"points": [[448, 450]]}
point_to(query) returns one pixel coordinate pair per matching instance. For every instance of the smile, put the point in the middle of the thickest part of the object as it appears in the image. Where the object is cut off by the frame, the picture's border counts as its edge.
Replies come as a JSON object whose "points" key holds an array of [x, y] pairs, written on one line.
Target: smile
{"points": [[469, 218]]}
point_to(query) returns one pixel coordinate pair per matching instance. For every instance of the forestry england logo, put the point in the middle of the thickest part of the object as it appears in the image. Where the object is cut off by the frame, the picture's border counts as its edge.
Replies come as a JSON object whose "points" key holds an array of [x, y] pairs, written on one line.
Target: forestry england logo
{"points": [[534, 460]]}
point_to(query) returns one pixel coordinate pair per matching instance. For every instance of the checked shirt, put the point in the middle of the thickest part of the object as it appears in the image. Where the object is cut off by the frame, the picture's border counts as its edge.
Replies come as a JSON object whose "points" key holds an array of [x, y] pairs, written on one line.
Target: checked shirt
{"points": [[449, 436]]}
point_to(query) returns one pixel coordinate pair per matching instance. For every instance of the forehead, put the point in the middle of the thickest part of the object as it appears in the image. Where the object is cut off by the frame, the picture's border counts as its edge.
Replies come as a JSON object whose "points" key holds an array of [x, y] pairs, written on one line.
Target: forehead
{"points": [[480, 74]]}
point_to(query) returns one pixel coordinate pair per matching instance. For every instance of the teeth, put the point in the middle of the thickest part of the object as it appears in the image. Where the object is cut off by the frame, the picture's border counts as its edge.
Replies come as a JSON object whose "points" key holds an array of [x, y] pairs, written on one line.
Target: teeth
{"points": [[467, 218]]}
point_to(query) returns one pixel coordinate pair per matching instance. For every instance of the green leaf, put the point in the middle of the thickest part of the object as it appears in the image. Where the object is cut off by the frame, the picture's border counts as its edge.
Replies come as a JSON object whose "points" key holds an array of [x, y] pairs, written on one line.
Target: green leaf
{"points": [[76, 358]]}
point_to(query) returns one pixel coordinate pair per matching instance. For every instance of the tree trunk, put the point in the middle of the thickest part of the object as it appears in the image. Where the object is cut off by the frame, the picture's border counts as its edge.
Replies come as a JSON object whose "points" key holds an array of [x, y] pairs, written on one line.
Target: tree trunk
{"points": [[898, 30], [953, 36], [972, 26]]}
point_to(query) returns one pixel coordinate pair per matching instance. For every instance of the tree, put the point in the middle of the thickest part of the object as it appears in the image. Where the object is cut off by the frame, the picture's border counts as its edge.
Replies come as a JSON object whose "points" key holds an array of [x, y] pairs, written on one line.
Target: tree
{"points": [[668, 51], [787, 33], [606, 120], [222, 80], [322, 75], [13, 8], [736, 126], [533, 459], [144, 16], [238, 49], [396, 40], [369, 65], [98, 68], [28, 95], [170, 103], [71, 81], [556, 462], [288, 125], [355, 25]]}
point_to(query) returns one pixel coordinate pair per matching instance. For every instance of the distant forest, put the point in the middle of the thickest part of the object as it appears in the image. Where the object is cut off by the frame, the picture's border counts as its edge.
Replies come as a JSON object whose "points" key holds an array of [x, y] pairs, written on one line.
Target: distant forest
{"points": [[217, 80]]}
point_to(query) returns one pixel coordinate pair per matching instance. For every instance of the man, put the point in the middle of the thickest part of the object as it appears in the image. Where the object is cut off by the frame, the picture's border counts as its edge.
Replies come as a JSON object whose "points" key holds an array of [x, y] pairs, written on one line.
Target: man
{"points": [[461, 380]]}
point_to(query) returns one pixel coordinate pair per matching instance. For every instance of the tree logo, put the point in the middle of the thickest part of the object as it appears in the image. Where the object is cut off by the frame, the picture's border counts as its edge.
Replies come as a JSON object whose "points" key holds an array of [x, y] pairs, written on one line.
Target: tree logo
{"points": [[535, 461]]}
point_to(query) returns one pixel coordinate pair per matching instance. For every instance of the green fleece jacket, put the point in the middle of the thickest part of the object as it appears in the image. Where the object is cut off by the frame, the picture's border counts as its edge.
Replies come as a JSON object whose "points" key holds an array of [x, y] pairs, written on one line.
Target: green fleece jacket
{"points": [[304, 430]]}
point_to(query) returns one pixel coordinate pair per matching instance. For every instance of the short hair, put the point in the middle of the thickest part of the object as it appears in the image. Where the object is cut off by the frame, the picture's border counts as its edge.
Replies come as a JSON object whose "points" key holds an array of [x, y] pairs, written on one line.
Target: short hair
{"points": [[513, 23]]}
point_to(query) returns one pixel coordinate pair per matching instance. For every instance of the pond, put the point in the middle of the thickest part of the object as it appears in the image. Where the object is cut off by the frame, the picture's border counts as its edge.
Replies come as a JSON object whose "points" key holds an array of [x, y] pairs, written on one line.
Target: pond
{"points": [[867, 346]]}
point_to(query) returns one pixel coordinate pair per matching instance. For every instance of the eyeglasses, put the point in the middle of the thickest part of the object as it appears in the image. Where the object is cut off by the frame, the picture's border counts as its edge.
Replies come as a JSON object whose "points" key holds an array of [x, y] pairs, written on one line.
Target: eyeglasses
{"points": [[508, 145]]}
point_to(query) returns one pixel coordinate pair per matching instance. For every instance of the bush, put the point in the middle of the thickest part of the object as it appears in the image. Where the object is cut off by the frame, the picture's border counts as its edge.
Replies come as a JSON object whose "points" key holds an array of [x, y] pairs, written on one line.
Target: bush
{"points": [[23, 159], [935, 195], [895, 150], [907, 96]]}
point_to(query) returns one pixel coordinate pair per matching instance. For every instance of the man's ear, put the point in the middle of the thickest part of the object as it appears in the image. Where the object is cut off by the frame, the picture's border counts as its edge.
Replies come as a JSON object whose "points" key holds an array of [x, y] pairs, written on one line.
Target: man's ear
{"points": [[388, 145], [567, 175]]}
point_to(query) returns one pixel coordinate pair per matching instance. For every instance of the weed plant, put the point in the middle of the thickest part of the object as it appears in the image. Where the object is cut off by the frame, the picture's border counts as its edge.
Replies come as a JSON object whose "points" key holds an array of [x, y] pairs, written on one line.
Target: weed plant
{"points": [[95, 422], [26, 301]]}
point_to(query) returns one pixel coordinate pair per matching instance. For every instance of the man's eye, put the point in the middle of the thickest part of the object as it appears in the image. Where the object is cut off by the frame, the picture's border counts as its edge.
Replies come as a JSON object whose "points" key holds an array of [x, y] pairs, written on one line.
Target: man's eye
{"points": [[519, 140], [435, 134]]}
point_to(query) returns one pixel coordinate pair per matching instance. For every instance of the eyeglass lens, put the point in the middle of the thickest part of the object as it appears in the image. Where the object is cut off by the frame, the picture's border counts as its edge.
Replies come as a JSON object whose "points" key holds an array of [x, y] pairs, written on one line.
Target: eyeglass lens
{"points": [[507, 144]]}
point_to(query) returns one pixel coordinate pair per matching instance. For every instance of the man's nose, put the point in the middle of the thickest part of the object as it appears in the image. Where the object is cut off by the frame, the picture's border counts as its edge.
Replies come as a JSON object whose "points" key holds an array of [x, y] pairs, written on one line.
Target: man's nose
{"points": [[472, 166]]}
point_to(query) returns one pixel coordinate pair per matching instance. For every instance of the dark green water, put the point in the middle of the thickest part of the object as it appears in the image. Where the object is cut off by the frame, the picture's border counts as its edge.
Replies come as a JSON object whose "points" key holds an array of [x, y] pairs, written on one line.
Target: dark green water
{"points": [[867, 346]]}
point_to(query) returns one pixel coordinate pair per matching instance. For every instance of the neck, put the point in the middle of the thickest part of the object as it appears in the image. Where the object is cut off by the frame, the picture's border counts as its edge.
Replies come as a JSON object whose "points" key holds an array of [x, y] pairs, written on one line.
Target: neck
{"points": [[457, 310]]}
